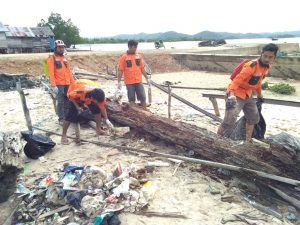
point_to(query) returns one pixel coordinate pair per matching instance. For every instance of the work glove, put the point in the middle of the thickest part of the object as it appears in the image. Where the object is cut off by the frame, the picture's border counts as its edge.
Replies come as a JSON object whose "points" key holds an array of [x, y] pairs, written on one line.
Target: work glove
{"points": [[109, 124], [231, 102], [55, 90]]}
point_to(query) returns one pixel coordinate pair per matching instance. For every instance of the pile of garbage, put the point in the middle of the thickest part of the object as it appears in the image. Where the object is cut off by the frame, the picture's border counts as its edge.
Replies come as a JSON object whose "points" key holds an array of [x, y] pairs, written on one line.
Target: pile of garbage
{"points": [[8, 81], [83, 195]]}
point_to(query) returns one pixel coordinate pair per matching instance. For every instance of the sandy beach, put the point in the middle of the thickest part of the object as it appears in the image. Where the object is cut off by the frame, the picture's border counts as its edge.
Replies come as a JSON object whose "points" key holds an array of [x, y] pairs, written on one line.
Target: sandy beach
{"points": [[187, 191]]}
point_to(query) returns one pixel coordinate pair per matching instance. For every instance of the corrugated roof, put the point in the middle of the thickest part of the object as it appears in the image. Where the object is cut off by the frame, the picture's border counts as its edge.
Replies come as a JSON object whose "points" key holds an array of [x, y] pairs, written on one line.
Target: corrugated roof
{"points": [[19, 32], [42, 31], [3, 28]]}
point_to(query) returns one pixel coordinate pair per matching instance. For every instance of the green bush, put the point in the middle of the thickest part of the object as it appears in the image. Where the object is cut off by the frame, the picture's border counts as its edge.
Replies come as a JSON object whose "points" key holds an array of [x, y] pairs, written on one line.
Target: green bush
{"points": [[265, 86], [282, 88]]}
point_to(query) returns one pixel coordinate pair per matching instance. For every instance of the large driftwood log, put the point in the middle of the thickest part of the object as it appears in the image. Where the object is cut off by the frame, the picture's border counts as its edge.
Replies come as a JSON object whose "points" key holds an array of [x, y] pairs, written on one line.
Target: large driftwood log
{"points": [[204, 143], [10, 163]]}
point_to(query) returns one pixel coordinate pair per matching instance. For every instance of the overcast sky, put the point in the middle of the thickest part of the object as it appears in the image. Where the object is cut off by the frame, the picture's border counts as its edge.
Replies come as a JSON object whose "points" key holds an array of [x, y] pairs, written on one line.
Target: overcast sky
{"points": [[99, 18]]}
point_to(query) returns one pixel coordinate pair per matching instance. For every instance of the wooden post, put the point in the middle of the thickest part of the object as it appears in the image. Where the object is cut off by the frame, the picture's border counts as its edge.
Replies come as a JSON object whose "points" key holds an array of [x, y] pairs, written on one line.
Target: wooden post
{"points": [[149, 93], [24, 105], [211, 115], [169, 101], [215, 105]]}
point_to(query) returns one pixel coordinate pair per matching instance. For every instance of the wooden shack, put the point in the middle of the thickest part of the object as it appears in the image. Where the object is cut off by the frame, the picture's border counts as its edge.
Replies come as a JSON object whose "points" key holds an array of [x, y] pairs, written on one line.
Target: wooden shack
{"points": [[43, 38], [25, 39], [3, 42]]}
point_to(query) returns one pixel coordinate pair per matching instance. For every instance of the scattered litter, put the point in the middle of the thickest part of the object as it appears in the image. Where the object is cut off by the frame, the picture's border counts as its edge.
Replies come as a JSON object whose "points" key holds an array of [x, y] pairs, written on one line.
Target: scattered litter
{"points": [[75, 194]]}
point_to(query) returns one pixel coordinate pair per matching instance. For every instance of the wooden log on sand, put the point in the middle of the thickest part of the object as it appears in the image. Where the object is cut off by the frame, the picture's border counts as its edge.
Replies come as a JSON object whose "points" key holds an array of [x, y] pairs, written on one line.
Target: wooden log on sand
{"points": [[206, 144]]}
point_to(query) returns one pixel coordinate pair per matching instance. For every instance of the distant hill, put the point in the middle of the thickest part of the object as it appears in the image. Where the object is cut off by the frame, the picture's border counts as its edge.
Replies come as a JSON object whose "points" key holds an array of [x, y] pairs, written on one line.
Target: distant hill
{"points": [[172, 35], [163, 36]]}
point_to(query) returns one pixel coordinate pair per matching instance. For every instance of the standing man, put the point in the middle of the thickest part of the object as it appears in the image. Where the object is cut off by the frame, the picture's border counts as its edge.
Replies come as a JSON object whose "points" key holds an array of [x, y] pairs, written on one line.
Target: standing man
{"points": [[132, 67], [239, 91], [60, 78], [85, 94]]}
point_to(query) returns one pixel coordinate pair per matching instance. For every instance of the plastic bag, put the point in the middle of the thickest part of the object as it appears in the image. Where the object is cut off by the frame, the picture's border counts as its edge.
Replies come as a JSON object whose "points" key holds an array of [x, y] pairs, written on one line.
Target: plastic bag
{"points": [[239, 130], [286, 142], [37, 144]]}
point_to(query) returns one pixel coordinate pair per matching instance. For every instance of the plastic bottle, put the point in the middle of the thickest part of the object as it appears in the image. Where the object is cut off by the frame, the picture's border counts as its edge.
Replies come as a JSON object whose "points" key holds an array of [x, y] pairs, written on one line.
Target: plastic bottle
{"points": [[148, 190]]}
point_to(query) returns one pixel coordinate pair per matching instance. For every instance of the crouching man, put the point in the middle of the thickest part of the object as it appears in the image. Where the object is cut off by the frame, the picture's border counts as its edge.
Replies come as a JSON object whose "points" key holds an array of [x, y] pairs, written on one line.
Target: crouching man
{"points": [[84, 94]]}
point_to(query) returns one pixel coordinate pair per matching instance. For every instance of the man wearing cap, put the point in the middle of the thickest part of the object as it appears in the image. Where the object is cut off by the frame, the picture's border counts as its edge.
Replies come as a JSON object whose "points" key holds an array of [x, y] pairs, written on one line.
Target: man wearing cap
{"points": [[60, 78]]}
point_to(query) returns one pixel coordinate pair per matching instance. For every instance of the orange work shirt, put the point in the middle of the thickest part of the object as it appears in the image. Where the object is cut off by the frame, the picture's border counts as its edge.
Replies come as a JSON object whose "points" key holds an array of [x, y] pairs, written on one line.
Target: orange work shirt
{"points": [[59, 71], [77, 92], [131, 65], [249, 79]]}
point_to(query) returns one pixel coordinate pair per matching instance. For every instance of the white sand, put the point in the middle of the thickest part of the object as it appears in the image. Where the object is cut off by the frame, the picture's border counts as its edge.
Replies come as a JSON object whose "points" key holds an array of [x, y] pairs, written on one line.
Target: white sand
{"points": [[186, 192]]}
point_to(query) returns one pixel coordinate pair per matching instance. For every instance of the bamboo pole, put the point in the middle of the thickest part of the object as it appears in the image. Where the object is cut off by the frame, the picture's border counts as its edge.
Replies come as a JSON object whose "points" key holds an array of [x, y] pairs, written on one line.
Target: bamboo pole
{"points": [[52, 94], [24, 105], [286, 197], [193, 160]]}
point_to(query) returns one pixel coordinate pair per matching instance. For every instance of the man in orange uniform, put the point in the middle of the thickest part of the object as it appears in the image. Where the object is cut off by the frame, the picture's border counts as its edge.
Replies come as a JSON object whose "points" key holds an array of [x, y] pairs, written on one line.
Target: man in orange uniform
{"points": [[60, 78], [85, 94], [239, 91], [132, 67]]}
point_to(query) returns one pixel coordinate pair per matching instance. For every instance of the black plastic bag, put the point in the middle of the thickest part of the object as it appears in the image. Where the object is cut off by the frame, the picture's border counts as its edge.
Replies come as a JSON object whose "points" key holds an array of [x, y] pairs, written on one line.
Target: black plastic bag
{"points": [[239, 130], [74, 198], [37, 144], [286, 142]]}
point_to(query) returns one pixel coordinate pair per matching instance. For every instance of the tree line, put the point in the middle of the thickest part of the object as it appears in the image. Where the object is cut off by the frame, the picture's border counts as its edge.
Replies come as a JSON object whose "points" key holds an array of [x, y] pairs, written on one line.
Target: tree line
{"points": [[67, 31]]}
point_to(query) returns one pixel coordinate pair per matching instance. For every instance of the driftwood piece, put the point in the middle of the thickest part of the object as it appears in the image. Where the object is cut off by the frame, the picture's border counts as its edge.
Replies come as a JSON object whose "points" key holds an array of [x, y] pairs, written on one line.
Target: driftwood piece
{"points": [[204, 143], [10, 163]]}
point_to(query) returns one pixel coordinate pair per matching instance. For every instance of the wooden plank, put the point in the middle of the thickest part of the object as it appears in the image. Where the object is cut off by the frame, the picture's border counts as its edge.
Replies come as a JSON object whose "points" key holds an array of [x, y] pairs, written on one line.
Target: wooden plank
{"points": [[266, 100], [96, 75], [194, 88]]}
